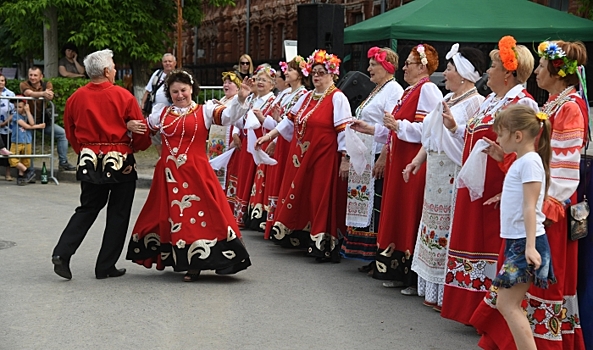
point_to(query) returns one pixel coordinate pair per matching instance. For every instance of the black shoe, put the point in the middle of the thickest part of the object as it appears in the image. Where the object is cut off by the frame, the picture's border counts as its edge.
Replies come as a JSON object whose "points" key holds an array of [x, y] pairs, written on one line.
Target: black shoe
{"points": [[67, 166], [112, 272], [20, 180], [62, 267], [30, 175]]}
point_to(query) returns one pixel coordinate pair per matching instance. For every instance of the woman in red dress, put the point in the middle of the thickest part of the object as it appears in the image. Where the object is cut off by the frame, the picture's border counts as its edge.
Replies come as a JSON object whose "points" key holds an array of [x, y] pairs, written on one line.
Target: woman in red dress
{"points": [[186, 222], [475, 231], [296, 80], [242, 167], [553, 312], [402, 202], [312, 202], [265, 80]]}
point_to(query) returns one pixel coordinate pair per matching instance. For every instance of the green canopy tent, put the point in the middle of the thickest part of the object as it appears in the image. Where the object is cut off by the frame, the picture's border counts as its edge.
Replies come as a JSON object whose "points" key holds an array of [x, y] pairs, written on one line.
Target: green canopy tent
{"points": [[471, 21]]}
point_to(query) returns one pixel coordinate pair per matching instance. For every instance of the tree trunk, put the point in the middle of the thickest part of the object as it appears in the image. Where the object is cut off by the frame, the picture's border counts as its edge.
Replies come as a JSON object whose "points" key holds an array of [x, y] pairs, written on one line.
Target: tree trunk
{"points": [[141, 74], [50, 42]]}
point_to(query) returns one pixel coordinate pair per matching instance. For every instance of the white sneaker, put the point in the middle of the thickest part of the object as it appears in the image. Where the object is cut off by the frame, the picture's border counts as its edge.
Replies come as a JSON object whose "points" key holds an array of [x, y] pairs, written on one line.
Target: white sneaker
{"points": [[393, 284], [409, 291]]}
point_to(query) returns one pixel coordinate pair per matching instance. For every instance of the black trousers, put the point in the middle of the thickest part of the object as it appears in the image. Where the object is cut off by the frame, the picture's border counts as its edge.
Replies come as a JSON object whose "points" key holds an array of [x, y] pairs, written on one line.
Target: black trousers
{"points": [[93, 197]]}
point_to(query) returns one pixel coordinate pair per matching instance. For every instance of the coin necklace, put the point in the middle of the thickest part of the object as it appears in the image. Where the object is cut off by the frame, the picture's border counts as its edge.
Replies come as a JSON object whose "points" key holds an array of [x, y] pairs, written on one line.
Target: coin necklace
{"points": [[182, 158]]}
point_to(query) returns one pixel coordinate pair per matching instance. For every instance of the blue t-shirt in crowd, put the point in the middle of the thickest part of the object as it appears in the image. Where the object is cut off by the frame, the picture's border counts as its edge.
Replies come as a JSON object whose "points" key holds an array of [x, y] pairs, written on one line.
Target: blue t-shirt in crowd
{"points": [[20, 134]]}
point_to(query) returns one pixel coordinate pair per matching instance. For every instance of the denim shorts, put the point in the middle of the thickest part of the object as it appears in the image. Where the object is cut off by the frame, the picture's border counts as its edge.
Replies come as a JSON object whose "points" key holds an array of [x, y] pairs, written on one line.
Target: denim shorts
{"points": [[516, 270]]}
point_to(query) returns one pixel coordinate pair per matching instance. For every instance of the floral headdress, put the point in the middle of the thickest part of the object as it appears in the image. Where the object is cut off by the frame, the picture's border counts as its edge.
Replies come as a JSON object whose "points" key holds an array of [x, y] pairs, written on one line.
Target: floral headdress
{"points": [[554, 53], [508, 53], [421, 51], [300, 61], [330, 61], [232, 76], [380, 56], [267, 69]]}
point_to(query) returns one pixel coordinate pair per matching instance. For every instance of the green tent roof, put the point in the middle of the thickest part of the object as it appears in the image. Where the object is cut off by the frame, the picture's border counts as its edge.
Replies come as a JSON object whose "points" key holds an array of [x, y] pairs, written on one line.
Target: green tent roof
{"points": [[471, 21]]}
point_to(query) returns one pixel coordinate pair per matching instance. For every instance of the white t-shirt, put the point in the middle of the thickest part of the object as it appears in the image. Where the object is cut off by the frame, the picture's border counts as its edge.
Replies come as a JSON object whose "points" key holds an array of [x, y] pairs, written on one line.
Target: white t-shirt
{"points": [[528, 168], [159, 96]]}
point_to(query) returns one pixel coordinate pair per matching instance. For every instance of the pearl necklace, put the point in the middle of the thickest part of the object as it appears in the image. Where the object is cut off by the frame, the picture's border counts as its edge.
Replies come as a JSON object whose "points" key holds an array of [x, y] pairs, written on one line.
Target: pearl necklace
{"points": [[301, 122], [182, 158], [372, 95], [552, 107]]}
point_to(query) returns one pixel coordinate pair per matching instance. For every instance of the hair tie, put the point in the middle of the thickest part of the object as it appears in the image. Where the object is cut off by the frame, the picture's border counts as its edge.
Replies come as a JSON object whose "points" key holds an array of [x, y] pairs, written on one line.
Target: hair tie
{"points": [[380, 56]]}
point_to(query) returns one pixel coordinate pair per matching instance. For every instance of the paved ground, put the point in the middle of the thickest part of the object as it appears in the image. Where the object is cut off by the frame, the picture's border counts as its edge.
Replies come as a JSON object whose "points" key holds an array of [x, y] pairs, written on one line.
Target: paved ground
{"points": [[284, 301]]}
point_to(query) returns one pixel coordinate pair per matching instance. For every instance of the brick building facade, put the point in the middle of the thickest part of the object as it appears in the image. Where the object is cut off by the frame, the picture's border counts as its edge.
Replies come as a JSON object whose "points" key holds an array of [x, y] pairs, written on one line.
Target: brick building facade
{"points": [[221, 38]]}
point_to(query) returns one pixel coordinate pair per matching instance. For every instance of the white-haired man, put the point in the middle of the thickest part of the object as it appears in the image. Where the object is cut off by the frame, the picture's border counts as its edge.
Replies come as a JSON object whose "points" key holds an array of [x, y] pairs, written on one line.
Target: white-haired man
{"points": [[95, 120]]}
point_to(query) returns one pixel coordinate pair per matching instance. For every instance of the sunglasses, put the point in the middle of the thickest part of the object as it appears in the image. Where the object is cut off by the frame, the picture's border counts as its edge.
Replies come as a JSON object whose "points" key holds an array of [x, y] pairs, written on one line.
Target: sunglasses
{"points": [[319, 73], [245, 63]]}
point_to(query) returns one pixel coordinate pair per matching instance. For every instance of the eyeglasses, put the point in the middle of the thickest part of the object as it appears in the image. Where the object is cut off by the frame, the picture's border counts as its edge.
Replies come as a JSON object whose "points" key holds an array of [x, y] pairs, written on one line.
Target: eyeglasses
{"points": [[407, 63], [318, 72], [244, 63]]}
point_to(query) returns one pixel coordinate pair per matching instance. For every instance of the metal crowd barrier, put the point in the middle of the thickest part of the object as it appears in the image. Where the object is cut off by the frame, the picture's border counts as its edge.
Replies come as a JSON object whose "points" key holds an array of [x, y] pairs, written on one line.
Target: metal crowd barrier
{"points": [[44, 151]]}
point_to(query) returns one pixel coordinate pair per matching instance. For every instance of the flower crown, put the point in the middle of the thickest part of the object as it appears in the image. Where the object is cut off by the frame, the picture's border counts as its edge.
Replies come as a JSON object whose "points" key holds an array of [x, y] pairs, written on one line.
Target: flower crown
{"points": [[554, 53], [330, 61], [421, 51], [267, 69], [507, 49], [300, 61]]}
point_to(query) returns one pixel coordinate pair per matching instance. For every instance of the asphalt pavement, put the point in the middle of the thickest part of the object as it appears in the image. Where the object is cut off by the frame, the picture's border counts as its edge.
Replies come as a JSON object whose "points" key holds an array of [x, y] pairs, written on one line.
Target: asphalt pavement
{"points": [[283, 301]]}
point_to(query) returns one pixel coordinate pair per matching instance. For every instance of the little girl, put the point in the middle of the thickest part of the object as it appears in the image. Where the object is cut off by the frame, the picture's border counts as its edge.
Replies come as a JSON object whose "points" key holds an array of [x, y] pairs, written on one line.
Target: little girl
{"points": [[527, 252]]}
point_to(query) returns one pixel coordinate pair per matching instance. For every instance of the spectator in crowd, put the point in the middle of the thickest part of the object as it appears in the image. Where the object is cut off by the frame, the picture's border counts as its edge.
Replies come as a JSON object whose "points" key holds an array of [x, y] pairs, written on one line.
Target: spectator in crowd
{"points": [[20, 143], [36, 87], [245, 66], [154, 92], [68, 66], [95, 119], [6, 108]]}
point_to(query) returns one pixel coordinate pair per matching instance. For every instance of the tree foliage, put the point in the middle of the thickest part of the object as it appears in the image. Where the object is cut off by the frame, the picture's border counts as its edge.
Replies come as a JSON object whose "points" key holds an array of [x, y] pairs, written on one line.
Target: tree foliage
{"points": [[136, 30]]}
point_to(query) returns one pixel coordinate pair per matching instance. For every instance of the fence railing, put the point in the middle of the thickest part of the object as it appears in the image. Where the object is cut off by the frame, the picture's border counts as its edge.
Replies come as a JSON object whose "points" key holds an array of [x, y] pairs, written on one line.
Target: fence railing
{"points": [[45, 151]]}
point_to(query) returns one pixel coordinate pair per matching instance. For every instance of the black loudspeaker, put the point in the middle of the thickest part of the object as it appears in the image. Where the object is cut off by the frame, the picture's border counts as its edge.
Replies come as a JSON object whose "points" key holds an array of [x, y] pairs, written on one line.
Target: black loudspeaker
{"points": [[356, 86], [321, 26]]}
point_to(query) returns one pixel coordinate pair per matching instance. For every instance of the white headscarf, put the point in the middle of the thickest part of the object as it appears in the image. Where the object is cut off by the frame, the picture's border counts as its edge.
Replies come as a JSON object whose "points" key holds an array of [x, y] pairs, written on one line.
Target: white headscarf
{"points": [[463, 66]]}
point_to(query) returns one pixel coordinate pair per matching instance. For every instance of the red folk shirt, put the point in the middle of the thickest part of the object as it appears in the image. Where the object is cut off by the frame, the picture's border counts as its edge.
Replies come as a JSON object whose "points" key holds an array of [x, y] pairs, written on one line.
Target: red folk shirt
{"points": [[95, 117]]}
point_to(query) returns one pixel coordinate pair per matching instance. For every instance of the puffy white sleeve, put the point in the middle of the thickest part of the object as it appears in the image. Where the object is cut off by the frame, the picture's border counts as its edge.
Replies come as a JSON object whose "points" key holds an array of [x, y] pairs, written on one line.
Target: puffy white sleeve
{"points": [[215, 113], [269, 123], [286, 126], [430, 96], [381, 134], [342, 115], [154, 119], [526, 101]]}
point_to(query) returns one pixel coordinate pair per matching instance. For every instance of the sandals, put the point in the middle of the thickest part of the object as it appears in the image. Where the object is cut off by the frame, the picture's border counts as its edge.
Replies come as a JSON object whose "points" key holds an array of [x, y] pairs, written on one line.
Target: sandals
{"points": [[191, 276]]}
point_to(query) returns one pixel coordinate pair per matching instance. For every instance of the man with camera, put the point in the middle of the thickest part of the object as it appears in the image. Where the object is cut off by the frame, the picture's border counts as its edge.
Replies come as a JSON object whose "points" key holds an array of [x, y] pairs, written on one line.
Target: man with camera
{"points": [[155, 92], [37, 88]]}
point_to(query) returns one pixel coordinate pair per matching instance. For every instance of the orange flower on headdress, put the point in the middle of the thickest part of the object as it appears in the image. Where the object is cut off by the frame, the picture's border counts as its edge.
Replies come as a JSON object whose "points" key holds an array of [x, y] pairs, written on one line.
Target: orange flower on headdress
{"points": [[319, 56], [508, 54]]}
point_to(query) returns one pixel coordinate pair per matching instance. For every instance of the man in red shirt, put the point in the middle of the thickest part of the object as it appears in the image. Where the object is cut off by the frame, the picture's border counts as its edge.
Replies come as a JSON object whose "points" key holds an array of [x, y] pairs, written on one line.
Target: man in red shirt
{"points": [[95, 120]]}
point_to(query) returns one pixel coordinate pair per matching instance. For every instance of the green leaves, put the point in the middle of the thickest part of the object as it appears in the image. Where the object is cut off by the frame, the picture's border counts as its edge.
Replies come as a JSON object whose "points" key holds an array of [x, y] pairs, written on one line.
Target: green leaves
{"points": [[133, 29]]}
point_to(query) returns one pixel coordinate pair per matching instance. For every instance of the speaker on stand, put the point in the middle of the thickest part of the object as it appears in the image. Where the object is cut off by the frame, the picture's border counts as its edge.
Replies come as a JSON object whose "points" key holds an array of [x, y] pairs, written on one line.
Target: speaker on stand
{"points": [[357, 86], [320, 26]]}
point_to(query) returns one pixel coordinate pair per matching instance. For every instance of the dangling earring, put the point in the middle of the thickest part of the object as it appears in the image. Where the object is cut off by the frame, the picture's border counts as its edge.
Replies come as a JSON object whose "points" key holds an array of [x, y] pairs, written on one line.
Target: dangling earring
{"points": [[505, 82]]}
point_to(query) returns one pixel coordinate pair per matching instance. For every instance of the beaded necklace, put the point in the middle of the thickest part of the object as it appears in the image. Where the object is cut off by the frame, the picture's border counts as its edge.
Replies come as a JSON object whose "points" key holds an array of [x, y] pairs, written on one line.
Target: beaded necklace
{"points": [[453, 101], [296, 95], [182, 158], [301, 122], [407, 93], [372, 95], [552, 107]]}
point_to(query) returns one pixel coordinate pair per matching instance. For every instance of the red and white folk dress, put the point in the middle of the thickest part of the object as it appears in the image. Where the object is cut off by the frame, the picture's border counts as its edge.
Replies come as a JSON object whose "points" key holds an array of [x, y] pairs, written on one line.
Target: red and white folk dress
{"points": [[312, 202], [186, 222]]}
